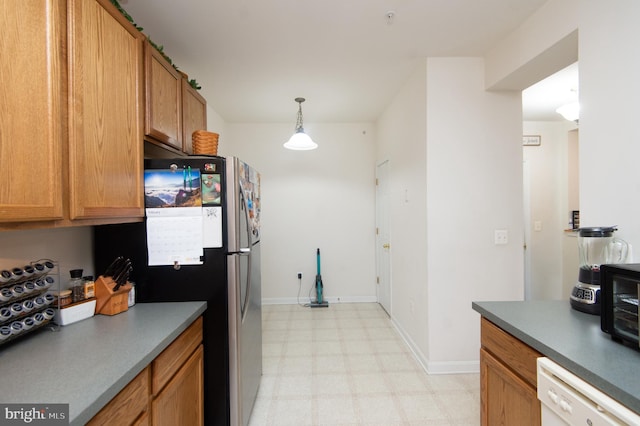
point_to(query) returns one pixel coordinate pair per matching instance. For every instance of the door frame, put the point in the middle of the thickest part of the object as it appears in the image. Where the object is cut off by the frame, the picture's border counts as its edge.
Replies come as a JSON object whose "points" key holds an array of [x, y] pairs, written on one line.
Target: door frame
{"points": [[383, 237]]}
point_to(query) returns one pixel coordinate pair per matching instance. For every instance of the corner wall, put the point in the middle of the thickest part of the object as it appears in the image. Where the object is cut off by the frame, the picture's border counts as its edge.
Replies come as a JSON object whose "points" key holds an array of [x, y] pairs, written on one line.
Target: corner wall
{"points": [[402, 139], [474, 187], [456, 176]]}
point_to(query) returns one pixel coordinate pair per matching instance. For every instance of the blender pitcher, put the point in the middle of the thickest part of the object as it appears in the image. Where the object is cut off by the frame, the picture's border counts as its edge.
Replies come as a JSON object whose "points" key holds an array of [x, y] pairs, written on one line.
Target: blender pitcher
{"points": [[596, 246]]}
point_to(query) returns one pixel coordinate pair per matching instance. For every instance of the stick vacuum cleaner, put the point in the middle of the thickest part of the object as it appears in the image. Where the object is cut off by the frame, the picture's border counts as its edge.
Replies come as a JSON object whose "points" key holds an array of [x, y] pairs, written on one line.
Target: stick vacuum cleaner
{"points": [[320, 302]]}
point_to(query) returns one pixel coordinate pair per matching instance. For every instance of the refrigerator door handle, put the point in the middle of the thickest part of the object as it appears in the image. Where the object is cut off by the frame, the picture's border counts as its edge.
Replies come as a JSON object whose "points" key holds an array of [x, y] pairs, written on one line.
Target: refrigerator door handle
{"points": [[247, 294], [244, 307]]}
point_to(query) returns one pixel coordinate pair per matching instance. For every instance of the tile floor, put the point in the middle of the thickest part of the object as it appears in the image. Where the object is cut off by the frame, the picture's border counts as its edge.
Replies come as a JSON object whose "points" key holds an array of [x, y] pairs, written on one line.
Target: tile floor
{"points": [[347, 365]]}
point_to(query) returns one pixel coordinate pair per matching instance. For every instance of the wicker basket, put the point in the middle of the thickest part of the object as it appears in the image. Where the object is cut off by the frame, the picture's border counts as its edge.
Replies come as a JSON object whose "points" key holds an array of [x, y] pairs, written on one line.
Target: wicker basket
{"points": [[205, 143]]}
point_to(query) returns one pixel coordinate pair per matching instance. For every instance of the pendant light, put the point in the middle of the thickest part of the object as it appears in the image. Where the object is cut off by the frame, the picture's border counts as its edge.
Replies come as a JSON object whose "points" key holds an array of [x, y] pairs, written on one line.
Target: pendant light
{"points": [[570, 111], [300, 141]]}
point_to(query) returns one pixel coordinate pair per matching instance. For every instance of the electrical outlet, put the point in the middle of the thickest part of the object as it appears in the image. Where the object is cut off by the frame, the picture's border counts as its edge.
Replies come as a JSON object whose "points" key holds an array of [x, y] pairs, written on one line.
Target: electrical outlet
{"points": [[501, 236], [299, 275]]}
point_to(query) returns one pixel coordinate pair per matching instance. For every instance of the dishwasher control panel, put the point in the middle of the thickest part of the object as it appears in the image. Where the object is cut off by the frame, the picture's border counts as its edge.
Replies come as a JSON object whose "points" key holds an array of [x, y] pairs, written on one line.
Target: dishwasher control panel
{"points": [[568, 400]]}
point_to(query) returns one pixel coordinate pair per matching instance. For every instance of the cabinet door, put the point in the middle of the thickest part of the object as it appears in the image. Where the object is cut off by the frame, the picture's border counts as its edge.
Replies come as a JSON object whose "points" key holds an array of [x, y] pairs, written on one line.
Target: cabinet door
{"points": [[194, 114], [181, 401], [163, 112], [506, 398], [129, 407], [31, 109], [105, 117]]}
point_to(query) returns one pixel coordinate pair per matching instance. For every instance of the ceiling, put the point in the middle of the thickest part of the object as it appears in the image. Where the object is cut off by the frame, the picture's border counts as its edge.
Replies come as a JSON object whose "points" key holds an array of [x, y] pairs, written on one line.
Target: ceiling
{"points": [[347, 58]]}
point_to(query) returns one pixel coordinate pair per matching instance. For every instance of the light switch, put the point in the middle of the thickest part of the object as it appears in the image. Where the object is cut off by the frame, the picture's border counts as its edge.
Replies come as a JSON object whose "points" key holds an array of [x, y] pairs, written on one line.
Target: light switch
{"points": [[537, 225]]}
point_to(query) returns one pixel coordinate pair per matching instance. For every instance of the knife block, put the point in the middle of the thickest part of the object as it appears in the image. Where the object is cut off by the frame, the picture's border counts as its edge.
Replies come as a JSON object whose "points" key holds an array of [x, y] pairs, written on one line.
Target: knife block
{"points": [[111, 302]]}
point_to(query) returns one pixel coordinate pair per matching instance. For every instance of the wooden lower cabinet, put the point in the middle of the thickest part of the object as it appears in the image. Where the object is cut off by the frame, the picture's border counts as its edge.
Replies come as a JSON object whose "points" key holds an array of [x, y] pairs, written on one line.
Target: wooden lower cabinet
{"points": [[143, 420], [130, 405], [508, 383], [181, 402], [177, 383], [169, 391]]}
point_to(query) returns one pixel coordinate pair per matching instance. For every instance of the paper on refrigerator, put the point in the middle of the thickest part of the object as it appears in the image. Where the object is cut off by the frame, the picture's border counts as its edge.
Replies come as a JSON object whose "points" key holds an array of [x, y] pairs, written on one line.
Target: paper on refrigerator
{"points": [[175, 236]]}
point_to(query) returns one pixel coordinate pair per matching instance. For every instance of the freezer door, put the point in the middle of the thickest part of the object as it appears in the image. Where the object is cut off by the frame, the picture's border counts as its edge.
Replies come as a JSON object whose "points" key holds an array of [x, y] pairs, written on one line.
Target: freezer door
{"points": [[243, 205]]}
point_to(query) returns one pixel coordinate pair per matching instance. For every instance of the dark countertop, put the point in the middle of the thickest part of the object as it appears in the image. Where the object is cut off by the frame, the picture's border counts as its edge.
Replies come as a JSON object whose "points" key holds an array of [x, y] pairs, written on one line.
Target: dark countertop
{"points": [[87, 363], [573, 340]]}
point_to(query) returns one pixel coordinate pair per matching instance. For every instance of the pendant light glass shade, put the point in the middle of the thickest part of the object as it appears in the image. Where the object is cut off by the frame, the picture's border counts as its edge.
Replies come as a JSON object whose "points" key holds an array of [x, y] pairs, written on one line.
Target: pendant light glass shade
{"points": [[570, 111], [300, 141]]}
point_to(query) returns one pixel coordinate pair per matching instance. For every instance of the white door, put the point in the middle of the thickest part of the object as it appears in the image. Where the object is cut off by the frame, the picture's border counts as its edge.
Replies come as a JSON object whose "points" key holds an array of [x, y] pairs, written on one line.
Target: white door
{"points": [[383, 248]]}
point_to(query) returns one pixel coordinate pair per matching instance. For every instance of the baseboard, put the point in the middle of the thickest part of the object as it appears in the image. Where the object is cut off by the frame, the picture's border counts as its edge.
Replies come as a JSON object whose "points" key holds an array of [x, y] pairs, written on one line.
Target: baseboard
{"points": [[441, 367], [340, 299]]}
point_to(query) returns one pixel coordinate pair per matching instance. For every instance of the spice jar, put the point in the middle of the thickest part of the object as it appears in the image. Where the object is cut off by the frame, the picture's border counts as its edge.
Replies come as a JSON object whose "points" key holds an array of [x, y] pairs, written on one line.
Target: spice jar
{"points": [[64, 297], [89, 287], [76, 284]]}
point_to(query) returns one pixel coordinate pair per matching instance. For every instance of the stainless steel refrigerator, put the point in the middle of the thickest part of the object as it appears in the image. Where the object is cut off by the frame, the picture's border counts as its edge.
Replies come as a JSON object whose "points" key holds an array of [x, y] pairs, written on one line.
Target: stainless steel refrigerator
{"points": [[201, 241]]}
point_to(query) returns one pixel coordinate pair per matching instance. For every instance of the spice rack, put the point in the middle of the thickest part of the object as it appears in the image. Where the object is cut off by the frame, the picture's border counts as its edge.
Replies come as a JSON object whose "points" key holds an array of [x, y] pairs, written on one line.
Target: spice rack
{"points": [[25, 304]]}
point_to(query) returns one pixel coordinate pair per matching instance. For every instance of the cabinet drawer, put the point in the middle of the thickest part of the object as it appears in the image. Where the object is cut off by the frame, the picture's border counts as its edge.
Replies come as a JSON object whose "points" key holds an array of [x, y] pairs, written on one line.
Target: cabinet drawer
{"points": [[518, 356], [126, 407], [172, 358]]}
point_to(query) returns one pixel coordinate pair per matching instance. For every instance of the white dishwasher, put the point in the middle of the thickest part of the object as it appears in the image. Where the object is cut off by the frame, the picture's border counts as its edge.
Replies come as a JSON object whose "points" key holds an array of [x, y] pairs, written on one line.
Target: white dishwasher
{"points": [[568, 400]]}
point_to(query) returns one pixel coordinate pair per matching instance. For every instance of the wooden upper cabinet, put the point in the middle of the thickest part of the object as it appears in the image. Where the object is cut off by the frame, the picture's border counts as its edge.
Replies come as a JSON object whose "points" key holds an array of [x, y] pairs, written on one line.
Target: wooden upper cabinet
{"points": [[31, 109], [194, 114], [105, 149], [163, 112]]}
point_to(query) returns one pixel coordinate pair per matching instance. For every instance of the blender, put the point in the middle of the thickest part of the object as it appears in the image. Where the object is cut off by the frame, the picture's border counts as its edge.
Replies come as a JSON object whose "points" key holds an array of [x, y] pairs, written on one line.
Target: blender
{"points": [[596, 246]]}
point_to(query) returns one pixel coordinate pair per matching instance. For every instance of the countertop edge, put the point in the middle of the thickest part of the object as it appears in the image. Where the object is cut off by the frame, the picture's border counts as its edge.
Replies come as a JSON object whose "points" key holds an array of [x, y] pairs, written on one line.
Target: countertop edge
{"points": [[576, 367], [91, 410]]}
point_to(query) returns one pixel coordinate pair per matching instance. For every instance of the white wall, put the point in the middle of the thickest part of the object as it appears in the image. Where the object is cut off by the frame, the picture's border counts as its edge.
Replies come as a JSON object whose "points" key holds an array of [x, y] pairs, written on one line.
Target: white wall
{"points": [[401, 139], [609, 65], [474, 186], [215, 123], [455, 149], [323, 198], [70, 247], [545, 43], [609, 131]]}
